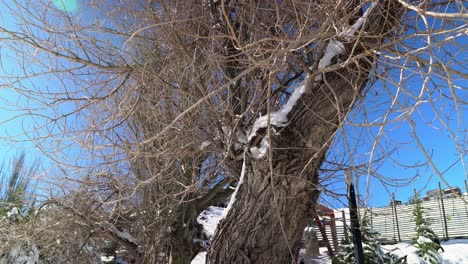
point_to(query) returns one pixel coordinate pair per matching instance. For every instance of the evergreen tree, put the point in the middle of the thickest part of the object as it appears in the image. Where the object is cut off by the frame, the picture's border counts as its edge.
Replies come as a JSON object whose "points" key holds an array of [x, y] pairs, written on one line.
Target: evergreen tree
{"points": [[373, 253], [17, 185], [345, 252], [426, 241]]}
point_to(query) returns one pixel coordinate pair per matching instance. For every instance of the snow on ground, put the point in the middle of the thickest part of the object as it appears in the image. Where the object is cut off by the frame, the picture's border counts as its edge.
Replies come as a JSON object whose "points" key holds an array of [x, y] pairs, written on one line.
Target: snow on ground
{"points": [[456, 251], [322, 259]]}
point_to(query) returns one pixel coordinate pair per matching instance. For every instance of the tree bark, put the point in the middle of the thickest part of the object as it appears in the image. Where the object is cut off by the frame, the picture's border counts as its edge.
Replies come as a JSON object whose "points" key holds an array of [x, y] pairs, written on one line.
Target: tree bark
{"points": [[182, 239], [275, 202]]}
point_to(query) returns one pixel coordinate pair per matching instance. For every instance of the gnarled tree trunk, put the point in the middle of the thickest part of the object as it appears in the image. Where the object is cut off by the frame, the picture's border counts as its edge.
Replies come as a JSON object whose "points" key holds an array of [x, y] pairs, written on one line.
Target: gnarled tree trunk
{"points": [[275, 201]]}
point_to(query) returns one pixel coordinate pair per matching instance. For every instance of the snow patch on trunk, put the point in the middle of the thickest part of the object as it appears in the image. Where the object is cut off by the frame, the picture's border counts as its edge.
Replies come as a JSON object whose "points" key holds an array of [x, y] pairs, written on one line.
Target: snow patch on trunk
{"points": [[280, 117], [199, 259], [233, 196], [209, 219], [333, 49], [258, 153]]}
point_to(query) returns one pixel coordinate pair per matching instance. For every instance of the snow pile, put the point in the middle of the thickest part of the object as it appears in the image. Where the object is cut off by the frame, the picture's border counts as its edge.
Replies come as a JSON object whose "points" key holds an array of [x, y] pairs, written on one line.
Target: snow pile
{"points": [[456, 252], [209, 219], [15, 214], [24, 254]]}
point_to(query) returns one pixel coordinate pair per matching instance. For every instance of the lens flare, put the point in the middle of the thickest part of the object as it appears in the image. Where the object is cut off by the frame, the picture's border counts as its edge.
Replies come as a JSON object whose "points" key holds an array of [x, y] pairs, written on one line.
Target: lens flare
{"points": [[66, 5]]}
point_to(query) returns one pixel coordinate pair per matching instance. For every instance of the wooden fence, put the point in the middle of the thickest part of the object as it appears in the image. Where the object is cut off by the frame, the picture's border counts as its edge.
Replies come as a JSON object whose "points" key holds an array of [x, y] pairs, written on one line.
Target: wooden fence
{"points": [[394, 223]]}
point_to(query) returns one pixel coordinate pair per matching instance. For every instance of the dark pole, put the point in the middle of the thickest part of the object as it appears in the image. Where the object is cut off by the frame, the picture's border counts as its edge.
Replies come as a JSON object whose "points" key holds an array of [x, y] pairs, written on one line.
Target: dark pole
{"points": [[396, 218], [466, 186], [344, 224], [357, 238], [443, 211]]}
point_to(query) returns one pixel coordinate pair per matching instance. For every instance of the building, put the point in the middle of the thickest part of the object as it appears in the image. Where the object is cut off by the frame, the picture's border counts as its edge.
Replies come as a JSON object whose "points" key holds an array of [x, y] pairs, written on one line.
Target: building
{"points": [[447, 193]]}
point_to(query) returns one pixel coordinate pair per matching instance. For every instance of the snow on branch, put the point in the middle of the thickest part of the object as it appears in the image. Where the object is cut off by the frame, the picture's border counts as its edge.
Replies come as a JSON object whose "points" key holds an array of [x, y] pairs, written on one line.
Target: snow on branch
{"points": [[209, 219], [280, 118], [358, 24], [335, 47]]}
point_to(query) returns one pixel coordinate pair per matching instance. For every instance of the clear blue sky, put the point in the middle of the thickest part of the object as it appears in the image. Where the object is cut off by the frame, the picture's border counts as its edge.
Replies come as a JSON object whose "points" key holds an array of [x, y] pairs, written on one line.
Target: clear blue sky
{"points": [[398, 134]]}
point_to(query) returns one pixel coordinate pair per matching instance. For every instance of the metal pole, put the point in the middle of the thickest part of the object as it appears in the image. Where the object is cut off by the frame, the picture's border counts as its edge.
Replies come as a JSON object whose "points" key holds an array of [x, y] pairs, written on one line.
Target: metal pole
{"points": [[463, 198], [396, 217], [466, 186], [393, 219], [344, 225], [443, 212], [357, 238]]}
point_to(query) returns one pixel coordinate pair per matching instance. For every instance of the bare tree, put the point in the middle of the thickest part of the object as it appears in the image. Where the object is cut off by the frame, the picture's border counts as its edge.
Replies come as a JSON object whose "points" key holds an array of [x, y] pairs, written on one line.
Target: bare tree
{"points": [[171, 102]]}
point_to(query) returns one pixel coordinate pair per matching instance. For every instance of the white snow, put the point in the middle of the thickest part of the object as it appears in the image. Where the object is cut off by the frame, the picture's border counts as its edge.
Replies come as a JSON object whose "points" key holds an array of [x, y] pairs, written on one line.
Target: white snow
{"points": [[278, 118], [104, 258], [210, 219], [258, 153], [322, 258], [200, 258], [333, 48], [204, 144], [350, 31], [422, 240], [456, 251], [14, 214]]}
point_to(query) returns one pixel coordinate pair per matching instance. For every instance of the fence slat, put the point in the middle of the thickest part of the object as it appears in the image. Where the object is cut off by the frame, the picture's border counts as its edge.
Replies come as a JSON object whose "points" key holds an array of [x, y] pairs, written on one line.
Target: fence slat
{"points": [[456, 218]]}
